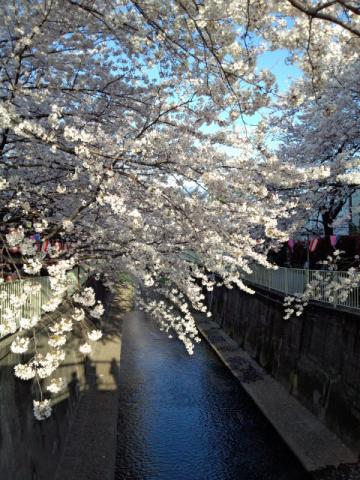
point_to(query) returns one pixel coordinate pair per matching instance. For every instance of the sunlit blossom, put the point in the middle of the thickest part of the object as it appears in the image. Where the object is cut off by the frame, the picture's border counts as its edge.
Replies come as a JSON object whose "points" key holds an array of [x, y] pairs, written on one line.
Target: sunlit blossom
{"points": [[95, 335]]}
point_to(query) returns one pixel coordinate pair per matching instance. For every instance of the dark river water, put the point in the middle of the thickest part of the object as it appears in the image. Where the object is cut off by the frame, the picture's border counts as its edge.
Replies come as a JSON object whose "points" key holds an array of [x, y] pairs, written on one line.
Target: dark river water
{"points": [[187, 418]]}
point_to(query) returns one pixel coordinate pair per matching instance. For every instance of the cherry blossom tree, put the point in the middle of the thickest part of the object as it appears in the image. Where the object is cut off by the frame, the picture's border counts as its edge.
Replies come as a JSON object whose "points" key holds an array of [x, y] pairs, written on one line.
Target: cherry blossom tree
{"points": [[323, 133], [117, 121]]}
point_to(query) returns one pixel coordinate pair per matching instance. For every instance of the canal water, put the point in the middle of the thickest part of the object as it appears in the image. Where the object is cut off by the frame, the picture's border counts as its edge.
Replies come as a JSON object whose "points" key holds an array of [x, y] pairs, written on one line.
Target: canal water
{"points": [[187, 418]]}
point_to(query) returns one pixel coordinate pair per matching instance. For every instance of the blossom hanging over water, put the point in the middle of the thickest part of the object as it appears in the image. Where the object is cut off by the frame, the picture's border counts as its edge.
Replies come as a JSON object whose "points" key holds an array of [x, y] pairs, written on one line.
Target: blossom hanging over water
{"points": [[42, 409]]}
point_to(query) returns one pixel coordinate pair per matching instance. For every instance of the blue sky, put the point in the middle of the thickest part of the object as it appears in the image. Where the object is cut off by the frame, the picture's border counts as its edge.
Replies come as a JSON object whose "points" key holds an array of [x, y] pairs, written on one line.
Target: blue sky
{"points": [[275, 62], [285, 74]]}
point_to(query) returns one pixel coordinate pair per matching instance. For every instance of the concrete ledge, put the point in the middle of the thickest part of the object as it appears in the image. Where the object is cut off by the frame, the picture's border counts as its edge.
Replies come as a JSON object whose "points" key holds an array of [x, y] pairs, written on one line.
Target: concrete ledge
{"points": [[313, 444]]}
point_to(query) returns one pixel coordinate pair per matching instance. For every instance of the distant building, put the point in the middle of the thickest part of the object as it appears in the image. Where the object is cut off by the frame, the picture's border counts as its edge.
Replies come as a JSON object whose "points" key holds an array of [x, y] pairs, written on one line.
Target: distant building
{"points": [[354, 209]]}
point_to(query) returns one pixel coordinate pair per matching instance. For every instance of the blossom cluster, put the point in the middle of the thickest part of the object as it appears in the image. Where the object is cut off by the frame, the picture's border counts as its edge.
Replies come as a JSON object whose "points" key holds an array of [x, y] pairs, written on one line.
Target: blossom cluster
{"points": [[43, 365], [324, 286], [130, 138]]}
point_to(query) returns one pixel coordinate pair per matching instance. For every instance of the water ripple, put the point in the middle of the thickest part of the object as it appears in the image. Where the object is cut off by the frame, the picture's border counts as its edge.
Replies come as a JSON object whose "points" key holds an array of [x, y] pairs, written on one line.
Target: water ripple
{"points": [[187, 418]]}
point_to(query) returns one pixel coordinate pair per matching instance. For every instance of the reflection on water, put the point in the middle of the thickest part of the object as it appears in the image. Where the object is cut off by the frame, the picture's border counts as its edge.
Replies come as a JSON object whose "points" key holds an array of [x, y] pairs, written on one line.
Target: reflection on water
{"points": [[187, 418]]}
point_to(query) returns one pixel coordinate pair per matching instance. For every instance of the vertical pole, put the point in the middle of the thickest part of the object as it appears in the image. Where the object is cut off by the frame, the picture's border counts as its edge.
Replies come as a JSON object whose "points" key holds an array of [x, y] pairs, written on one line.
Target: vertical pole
{"points": [[308, 251], [335, 291], [307, 278]]}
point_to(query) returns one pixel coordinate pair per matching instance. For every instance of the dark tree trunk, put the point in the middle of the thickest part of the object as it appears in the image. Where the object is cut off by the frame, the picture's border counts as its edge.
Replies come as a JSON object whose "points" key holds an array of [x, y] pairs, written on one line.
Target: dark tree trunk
{"points": [[327, 222]]}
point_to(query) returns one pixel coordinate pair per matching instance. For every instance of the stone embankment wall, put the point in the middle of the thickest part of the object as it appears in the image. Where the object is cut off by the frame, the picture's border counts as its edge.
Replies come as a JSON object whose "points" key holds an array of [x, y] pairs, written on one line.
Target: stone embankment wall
{"points": [[315, 356], [29, 449]]}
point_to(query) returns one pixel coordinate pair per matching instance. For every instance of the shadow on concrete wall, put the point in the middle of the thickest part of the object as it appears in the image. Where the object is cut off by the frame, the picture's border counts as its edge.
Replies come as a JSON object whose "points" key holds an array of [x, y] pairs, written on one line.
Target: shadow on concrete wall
{"points": [[33, 450], [30, 449]]}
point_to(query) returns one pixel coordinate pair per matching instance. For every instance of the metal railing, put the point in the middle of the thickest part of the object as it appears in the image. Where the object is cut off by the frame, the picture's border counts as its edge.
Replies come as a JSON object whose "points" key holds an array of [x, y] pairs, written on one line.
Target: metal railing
{"points": [[291, 281], [10, 292]]}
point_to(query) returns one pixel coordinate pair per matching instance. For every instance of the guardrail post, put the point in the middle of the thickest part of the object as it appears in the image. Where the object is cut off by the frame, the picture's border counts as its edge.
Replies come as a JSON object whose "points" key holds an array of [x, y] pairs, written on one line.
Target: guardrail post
{"points": [[337, 275], [307, 279], [335, 299]]}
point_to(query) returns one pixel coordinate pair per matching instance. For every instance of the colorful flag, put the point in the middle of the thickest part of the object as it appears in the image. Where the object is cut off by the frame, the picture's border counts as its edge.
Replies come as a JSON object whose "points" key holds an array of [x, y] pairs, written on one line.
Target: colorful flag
{"points": [[313, 244]]}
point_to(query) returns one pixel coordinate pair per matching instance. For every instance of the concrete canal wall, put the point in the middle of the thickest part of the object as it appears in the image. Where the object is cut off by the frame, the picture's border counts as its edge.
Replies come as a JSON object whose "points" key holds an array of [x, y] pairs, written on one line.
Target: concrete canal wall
{"points": [[33, 450], [30, 450], [315, 356]]}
